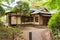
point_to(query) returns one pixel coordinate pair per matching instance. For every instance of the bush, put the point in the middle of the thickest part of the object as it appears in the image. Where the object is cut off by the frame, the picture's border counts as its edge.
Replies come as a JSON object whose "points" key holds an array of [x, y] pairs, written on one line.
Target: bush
{"points": [[54, 23], [7, 32]]}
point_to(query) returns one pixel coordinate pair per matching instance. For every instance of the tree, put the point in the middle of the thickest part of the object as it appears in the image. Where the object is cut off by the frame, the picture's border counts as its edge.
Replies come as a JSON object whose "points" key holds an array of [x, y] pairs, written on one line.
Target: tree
{"points": [[7, 4], [2, 11], [22, 8], [54, 22], [52, 4]]}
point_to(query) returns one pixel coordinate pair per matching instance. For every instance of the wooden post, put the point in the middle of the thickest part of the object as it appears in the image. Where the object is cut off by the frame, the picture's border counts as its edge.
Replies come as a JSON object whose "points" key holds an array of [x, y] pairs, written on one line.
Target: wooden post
{"points": [[30, 35], [34, 20], [9, 19], [39, 20]]}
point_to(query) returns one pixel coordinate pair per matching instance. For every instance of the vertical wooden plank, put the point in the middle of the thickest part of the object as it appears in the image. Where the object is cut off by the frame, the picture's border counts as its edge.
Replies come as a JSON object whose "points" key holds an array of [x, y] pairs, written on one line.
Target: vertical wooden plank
{"points": [[30, 35]]}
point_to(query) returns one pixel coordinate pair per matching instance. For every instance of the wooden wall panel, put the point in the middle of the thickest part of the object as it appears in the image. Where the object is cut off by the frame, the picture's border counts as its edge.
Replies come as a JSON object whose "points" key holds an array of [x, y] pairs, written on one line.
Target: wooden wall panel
{"points": [[18, 20], [13, 20]]}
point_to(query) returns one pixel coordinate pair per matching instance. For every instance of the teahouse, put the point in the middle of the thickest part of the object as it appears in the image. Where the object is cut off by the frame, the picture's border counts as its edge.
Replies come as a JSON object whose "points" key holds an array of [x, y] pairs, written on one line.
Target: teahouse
{"points": [[37, 17]]}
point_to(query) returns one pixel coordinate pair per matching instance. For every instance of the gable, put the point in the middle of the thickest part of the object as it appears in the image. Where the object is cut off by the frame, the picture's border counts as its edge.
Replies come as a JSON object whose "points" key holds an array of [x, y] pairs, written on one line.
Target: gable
{"points": [[44, 10]]}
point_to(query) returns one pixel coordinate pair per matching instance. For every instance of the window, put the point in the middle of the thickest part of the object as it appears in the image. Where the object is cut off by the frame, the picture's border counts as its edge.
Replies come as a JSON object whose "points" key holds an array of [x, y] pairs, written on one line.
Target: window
{"points": [[27, 19], [31, 19], [36, 19]]}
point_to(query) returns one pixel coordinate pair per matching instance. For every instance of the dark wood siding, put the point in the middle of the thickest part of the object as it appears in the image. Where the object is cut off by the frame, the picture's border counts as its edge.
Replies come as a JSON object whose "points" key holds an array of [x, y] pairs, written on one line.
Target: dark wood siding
{"points": [[45, 20]]}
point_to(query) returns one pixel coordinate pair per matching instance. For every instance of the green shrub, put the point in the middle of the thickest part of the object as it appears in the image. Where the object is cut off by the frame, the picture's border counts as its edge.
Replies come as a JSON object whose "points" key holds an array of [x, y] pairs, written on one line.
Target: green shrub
{"points": [[54, 23], [4, 28]]}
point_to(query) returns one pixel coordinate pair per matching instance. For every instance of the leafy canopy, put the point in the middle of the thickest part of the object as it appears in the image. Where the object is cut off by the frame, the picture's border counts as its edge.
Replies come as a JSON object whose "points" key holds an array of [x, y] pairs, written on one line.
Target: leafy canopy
{"points": [[2, 11], [54, 22], [22, 8], [52, 4]]}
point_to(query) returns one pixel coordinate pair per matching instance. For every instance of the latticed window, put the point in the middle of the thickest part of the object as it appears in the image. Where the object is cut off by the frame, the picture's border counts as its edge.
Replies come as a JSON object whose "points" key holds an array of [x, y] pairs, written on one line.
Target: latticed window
{"points": [[27, 19]]}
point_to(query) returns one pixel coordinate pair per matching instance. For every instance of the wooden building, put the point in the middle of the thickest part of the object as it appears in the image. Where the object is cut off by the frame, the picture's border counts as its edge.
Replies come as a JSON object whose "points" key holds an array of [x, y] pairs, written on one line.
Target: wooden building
{"points": [[37, 17]]}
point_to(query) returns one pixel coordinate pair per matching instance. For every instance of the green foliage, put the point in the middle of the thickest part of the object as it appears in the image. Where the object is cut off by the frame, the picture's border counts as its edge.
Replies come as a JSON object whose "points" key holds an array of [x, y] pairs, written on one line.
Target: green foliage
{"points": [[9, 29], [7, 32], [26, 8], [52, 4], [2, 11], [3, 19], [22, 8], [7, 1], [54, 24]]}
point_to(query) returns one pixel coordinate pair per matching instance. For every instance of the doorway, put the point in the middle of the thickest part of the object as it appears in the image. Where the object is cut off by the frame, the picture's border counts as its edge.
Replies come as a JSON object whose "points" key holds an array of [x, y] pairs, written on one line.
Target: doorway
{"points": [[45, 20]]}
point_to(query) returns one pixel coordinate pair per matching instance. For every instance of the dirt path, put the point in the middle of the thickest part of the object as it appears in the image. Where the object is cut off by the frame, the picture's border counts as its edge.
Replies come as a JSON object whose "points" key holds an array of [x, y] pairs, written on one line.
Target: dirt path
{"points": [[32, 33], [37, 34]]}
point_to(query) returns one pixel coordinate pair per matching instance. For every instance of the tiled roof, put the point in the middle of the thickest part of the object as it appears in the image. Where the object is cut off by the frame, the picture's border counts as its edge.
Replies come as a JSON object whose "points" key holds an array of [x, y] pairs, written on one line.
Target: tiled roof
{"points": [[41, 11], [36, 11]]}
